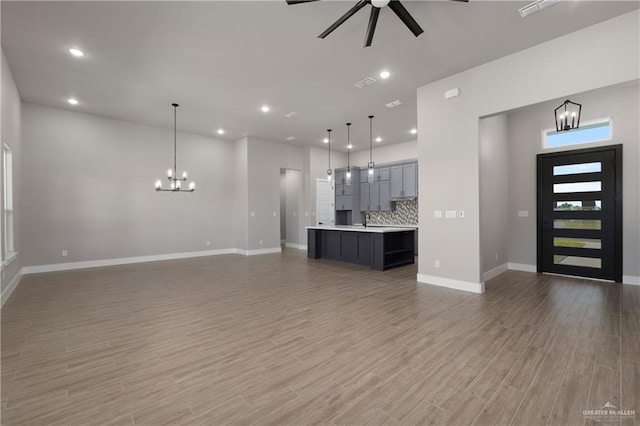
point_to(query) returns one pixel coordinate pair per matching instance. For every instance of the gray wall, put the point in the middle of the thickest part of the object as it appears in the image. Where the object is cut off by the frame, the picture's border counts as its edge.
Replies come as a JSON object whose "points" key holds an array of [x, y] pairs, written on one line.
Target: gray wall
{"points": [[88, 188], [11, 135], [386, 153], [494, 231], [283, 204], [602, 55], [525, 142], [241, 191]]}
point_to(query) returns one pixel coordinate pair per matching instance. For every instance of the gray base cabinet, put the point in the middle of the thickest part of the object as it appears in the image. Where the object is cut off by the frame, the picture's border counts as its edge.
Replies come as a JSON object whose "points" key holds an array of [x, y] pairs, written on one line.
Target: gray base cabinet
{"points": [[381, 251]]}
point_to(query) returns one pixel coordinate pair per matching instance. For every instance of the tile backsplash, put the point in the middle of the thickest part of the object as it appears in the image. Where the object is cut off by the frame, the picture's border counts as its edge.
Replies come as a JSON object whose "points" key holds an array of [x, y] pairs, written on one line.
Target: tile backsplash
{"points": [[405, 213]]}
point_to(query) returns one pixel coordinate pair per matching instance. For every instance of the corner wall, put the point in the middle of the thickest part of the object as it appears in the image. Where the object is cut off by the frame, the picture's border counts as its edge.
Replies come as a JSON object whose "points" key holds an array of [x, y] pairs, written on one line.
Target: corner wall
{"points": [[602, 55], [11, 135]]}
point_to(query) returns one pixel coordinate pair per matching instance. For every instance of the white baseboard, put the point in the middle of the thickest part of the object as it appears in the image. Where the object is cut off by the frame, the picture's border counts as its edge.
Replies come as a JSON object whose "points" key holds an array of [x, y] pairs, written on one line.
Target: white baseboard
{"points": [[121, 261], [296, 246], [258, 251], [449, 283], [522, 267], [630, 279], [492, 273], [12, 286]]}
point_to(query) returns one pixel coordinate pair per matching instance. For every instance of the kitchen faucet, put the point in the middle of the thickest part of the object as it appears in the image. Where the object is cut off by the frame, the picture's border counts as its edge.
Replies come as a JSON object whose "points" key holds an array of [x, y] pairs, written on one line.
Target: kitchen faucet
{"points": [[367, 218]]}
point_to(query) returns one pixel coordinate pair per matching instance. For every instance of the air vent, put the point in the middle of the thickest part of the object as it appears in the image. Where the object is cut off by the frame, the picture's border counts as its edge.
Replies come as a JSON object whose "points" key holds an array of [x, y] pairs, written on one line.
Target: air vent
{"points": [[393, 104], [292, 114], [367, 81], [291, 138]]}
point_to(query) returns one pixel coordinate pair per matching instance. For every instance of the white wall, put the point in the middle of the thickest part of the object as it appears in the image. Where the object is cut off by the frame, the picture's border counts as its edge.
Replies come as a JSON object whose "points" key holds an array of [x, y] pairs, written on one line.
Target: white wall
{"points": [[294, 207], [386, 153], [494, 232], [525, 142], [241, 191], [10, 131], [602, 55], [88, 188]]}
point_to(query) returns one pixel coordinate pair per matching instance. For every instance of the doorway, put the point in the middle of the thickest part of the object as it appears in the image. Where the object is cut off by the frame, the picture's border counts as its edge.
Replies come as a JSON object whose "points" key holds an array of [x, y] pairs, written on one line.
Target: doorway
{"points": [[580, 213]]}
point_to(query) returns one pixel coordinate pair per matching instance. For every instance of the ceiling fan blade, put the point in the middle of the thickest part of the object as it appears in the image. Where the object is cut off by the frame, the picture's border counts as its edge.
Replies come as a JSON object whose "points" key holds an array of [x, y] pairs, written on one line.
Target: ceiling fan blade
{"points": [[464, 1], [349, 14], [371, 29], [405, 17], [290, 2]]}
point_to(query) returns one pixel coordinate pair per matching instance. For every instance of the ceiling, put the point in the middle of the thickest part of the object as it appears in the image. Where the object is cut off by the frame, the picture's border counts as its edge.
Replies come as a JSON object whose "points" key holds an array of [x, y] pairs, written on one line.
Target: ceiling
{"points": [[223, 60]]}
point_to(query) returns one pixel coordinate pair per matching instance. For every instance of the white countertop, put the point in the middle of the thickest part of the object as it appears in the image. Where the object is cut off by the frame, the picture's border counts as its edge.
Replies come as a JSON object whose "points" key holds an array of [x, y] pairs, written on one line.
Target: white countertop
{"points": [[359, 228]]}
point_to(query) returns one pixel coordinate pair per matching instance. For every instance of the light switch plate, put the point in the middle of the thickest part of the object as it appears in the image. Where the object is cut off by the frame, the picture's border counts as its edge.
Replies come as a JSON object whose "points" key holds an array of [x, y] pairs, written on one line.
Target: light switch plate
{"points": [[437, 214], [252, 214], [450, 214], [523, 213]]}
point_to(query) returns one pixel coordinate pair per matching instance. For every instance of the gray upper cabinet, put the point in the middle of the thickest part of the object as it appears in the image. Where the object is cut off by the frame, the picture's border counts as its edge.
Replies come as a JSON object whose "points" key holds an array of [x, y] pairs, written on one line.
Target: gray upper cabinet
{"points": [[344, 202], [374, 196], [404, 181], [343, 189], [364, 175], [347, 193], [340, 179], [410, 180], [385, 196], [364, 197], [396, 181], [382, 173]]}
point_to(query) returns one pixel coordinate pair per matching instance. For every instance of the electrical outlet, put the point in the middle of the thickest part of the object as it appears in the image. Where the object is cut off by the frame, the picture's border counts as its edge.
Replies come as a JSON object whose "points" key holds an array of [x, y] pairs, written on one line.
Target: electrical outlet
{"points": [[437, 214], [260, 242], [208, 243], [274, 214], [437, 264], [306, 213], [496, 256], [252, 214], [64, 253]]}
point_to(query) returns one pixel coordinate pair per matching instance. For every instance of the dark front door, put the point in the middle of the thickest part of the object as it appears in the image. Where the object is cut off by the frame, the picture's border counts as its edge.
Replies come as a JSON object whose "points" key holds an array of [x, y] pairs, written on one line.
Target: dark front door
{"points": [[580, 213]]}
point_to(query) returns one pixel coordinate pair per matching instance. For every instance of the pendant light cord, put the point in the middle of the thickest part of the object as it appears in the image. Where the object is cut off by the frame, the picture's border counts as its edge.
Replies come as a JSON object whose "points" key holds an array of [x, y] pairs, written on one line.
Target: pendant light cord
{"points": [[175, 168], [329, 141], [371, 138], [348, 144]]}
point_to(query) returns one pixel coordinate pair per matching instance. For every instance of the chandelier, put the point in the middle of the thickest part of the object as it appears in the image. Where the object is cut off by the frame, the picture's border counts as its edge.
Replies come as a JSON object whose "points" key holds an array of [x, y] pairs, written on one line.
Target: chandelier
{"points": [[175, 182]]}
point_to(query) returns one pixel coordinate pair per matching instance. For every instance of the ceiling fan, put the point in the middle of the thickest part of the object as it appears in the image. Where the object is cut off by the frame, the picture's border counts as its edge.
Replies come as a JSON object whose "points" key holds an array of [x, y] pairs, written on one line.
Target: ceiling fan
{"points": [[376, 5]]}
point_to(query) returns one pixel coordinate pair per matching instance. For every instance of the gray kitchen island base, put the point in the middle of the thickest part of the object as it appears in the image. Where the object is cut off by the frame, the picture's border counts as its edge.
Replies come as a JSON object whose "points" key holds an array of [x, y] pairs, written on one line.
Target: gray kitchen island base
{"points": [[379, 248]]}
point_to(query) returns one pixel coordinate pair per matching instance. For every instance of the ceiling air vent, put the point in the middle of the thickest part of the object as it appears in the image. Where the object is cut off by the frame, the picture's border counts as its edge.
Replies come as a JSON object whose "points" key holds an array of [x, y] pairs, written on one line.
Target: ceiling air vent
{"points": [[367, 81], [291, 114], [536, 6], [394, 103], [291, 138]]}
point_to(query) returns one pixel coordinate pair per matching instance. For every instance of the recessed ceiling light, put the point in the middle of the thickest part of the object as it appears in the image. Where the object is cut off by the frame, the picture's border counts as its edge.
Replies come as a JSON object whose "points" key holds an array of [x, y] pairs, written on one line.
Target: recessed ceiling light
{"points": [[221, 131], [72, 101], [265, 108], [414, 131], [349, 146], [378, 139], [325, 140], [76, 52], [385, 74]]}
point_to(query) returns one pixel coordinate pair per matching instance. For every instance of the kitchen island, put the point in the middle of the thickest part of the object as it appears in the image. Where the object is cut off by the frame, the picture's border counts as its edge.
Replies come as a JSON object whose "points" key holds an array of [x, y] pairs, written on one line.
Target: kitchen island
{"points": [[381, 248]]}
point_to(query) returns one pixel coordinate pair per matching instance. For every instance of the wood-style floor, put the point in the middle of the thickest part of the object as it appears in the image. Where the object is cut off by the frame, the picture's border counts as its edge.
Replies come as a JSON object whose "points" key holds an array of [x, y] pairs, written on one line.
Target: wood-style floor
{"points": [[280, 339]]}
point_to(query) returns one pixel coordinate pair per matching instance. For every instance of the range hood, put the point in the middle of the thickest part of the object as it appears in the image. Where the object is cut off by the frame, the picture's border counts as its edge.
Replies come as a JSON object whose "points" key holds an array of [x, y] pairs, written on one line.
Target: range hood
{"points": [[404, 198]]}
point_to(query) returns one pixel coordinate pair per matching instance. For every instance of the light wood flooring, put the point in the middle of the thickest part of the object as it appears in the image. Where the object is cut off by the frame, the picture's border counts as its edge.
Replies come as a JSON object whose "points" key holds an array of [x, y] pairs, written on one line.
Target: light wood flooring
{"points": [[280, 339]]}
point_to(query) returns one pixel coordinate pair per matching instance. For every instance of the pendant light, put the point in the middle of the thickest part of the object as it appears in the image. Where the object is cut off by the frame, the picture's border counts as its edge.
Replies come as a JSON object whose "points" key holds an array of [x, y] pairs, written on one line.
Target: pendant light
{"points": [[175, 183], [348, 154], [371, 164], [562, 114], [329, 141]]}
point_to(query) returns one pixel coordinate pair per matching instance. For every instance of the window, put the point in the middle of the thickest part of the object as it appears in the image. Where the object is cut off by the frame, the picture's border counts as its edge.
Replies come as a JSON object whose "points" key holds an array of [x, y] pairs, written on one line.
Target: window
{"points": [[7, 203], [593, 131]]}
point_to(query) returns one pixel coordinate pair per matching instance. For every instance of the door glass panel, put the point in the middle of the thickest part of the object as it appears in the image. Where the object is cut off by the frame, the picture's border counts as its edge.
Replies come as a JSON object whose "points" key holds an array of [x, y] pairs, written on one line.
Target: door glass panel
{"points": [[588, 243], [574, 169], [564, 188], [577, 206], [585, 262], [577, 224]]}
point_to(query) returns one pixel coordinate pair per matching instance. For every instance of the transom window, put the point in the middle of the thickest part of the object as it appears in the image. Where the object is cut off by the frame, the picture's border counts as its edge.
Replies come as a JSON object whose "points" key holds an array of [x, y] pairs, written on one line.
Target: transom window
{"points": [[593, 131]]}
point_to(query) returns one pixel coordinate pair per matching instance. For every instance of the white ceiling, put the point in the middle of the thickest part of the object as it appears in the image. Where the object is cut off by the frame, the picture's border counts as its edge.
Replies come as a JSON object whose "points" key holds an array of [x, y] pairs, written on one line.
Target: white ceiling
{"points": [[222, 60]]}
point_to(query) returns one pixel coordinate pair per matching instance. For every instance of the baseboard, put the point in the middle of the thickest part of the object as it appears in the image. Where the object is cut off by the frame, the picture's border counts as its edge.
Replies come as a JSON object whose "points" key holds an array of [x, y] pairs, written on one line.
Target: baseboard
{"points": [[295, 246], [258, 251], [449, 283], [121, 261], [12, 286], [492, 273], [630, 279], [522, 267]]}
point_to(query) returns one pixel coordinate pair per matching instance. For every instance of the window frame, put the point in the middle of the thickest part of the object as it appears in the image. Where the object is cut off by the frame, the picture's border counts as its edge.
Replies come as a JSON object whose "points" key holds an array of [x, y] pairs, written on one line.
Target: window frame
{"points": [[8, 252], [603, 120]]}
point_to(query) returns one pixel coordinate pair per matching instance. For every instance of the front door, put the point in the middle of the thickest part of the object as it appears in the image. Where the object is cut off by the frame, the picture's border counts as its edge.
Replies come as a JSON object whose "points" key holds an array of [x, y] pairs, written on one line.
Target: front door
{"points": [[580, 213]]}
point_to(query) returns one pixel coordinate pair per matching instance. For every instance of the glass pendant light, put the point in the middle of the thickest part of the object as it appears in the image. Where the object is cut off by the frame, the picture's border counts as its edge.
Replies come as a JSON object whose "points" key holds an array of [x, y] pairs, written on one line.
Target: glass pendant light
{"points": [[348, 175], [371, 164], [329, 142]]}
